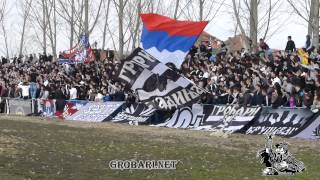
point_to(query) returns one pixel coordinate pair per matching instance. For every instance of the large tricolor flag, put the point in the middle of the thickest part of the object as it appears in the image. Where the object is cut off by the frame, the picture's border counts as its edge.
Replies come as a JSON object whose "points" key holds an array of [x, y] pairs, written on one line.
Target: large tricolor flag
{"points": [[167, 39]]}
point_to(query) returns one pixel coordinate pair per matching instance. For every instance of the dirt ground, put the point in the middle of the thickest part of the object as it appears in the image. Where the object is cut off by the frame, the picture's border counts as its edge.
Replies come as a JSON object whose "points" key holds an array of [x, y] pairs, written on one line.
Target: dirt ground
{"points": [[39, 148]]}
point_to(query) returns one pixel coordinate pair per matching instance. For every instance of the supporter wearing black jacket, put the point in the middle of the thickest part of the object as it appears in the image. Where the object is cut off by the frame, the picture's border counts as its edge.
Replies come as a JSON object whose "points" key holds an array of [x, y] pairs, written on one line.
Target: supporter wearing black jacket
{"points": [[60, 99], [258, 98], [118, 96], [245, 99], [276, 99], [290, 47], [131, 99]]}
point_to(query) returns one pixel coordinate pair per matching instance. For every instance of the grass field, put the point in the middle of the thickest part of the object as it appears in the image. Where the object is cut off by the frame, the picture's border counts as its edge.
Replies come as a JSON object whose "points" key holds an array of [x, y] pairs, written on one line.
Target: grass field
{"points": [[35, 148]]}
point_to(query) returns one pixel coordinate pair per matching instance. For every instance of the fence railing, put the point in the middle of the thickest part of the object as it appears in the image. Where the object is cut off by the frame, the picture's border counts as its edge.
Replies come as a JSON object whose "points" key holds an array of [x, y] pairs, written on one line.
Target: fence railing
{"points": [[48, 105]]}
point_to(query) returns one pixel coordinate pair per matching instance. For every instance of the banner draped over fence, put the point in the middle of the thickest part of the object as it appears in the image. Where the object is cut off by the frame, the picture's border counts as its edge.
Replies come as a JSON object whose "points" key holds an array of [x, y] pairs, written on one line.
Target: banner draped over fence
{"points": [[211, 117], [46, 107], [96, 112], [281, 121], [287, 122], [136, 112], [19, 107], [72, 106]]}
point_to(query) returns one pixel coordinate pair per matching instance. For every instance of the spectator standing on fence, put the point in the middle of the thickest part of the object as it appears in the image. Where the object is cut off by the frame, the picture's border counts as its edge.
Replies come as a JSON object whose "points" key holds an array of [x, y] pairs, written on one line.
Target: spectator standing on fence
{"points": [[25, 87], [290, 47], [33, 82], [73, 92]]}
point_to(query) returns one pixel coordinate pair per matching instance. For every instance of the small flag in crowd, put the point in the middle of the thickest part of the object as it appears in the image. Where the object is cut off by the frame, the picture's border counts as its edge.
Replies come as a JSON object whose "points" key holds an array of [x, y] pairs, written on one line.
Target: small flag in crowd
{"points": [[167, 39], [81, 53]]}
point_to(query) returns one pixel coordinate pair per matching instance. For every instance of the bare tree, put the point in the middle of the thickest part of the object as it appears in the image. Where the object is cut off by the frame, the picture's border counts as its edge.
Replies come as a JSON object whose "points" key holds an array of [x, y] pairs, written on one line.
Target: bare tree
{"points": [[175, 15], [311, 18], [308, 10], [104, 34], [260, 20], [201, 9], [120, 8], [156, 6], [81, 16], [39, 21], [201, 6], [133, 12], [87, 29], [71, 22], [54, 44], [128, 25], [303, 9], [68, 12], [237, 16], [51, 19], [26, 8], [315, 23], [44, 26], [96, 17], [86, 17], [253, 9], [3, 9]]}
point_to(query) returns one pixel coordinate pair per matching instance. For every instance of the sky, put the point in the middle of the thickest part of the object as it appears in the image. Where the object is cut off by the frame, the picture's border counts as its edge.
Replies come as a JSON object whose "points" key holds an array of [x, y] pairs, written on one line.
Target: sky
{"points": [[222, 30], [222, 27]]}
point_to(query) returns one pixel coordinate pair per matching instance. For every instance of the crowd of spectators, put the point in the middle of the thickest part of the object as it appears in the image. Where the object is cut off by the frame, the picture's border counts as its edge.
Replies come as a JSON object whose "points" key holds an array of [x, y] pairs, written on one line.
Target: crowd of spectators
{"points": [[267, 77], [41, 76], [249, 78]]}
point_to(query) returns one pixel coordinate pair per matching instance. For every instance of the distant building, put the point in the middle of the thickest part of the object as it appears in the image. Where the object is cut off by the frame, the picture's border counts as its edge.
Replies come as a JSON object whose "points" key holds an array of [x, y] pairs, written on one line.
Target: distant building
{"points": [[208, 39], [236, 43]]}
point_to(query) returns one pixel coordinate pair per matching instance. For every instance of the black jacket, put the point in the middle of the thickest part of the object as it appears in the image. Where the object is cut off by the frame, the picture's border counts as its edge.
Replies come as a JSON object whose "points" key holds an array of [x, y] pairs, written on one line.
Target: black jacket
{"points": [[290, 46], [258, 99]]}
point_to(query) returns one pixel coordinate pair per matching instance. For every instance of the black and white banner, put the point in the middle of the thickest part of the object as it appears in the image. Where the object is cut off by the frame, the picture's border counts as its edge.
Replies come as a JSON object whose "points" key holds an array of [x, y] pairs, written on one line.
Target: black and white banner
{"points": [[312, 131], [96, 111], [212, 118], [228, 118], [136, 112], [186, 117], [155, 84], [282, 121]]}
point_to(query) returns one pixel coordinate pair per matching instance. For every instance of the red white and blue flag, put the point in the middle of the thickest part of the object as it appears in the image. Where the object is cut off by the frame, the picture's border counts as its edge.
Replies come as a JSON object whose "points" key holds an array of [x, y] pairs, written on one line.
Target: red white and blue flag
{"points": [[167, 39], [81, 53]]}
